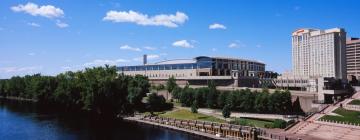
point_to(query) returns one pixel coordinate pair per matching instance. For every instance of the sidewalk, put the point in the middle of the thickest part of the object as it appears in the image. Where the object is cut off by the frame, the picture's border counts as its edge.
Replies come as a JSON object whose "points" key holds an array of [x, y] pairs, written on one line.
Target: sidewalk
{"points": [[218, 113]]}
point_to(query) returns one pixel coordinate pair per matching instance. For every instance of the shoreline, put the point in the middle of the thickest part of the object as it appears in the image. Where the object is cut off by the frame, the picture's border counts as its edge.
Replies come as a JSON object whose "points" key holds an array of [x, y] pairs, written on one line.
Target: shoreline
{"points": [[18, 99], [201, 135]]}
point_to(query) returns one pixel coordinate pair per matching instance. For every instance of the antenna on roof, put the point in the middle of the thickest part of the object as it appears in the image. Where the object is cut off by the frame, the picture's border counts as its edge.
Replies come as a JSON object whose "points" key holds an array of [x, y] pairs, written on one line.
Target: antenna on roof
{"points": [[145, 59]]}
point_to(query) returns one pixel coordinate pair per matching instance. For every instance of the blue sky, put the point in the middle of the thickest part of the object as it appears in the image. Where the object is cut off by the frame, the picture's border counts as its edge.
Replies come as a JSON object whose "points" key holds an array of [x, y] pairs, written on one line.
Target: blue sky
{"points": [[50, 37]]}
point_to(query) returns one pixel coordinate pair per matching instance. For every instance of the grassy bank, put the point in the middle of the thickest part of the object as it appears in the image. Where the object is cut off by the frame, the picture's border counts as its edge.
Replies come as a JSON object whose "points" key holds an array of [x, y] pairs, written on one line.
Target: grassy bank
{"points": [[187, 115], [347, 116], [355, 102], [252, 122]]}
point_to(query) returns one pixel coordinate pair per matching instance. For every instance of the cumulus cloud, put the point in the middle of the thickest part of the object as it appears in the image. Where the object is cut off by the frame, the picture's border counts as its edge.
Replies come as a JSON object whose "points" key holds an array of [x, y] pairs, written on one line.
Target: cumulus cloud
{"points": [[33, 24], [150, 48], [183, 44], [101, 62], [33, 9], [233, 45], [61, 24], [236, 44], [127, 47], [217, 26], [145, 20]]}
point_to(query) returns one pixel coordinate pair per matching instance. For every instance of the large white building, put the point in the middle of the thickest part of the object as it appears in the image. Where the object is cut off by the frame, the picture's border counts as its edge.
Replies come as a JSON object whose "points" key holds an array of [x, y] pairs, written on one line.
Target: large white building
{"points": [[199, 70], [319, 62], [319, 53]]}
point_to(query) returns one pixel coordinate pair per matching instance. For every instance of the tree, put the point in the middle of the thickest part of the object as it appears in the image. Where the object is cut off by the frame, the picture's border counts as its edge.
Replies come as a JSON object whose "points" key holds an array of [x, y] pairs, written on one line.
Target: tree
{"points": [[297, 107], [187, 98], [211, 96], [170, 85], [226, 111], [194, 107], [156, 102], [222, 99]]}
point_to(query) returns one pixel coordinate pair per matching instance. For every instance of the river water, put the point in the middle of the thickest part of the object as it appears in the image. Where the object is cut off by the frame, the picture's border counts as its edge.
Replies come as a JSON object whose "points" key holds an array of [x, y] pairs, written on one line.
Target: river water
{"points": [[28, 121]]}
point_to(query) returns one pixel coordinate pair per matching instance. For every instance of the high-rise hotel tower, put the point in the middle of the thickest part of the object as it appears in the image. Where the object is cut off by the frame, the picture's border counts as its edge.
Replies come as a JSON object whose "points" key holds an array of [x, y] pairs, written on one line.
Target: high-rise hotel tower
{"points": [[319, 53]]}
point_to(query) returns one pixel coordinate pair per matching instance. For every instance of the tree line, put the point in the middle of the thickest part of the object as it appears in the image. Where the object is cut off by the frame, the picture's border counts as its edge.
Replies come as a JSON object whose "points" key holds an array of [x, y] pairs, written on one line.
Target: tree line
{"points": [[100, 89], [243, 100]]}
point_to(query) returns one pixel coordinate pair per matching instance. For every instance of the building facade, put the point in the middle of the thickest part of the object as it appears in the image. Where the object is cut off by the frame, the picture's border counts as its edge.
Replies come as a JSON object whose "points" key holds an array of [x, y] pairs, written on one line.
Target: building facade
{"points": [[318, 61], [319, 53], [353, 57], [198, 70]]}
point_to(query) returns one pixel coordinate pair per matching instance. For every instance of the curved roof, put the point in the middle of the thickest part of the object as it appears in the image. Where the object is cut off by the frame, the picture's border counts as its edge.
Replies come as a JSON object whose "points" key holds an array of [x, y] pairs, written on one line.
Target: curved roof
{"points": [[187, 61], [177, 61]]}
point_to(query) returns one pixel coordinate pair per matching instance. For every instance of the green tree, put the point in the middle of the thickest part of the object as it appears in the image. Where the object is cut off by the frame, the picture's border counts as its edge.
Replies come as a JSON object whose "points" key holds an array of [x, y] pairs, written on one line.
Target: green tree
{"points": [[170, 85], [187, 98], [156, 102], [226, 112], [297, 107], [211, 96], [194, 107], [222, 99]]}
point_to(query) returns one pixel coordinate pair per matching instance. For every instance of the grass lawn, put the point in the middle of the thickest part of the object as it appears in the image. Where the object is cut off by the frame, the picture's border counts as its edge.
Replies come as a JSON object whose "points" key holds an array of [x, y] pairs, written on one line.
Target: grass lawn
{"points": [[355, 102], [187, 115], [252, 122], [346, 116]]}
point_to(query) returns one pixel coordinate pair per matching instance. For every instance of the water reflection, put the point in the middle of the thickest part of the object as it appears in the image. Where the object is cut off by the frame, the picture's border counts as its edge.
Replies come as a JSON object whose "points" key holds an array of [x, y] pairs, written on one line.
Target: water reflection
{"points": [[28, 121]]}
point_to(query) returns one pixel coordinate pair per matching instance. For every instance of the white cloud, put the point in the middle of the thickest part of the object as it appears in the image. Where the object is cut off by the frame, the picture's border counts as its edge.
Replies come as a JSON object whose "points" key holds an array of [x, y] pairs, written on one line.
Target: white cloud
{"points": [[29, 69], [127, 47], [217, 26], [61, 24], [31, 54], [66, 68], [33, 24], [150, 48], [33, 9], [152, 56], [214, 49], [236, 44], [145, 20], [183, 44], [233, 45], [101, 62]]}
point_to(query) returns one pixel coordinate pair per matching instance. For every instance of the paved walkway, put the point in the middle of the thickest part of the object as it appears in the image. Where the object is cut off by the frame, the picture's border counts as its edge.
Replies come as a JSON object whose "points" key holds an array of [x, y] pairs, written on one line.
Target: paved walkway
{"points": [[310, 129], [218, 114]]}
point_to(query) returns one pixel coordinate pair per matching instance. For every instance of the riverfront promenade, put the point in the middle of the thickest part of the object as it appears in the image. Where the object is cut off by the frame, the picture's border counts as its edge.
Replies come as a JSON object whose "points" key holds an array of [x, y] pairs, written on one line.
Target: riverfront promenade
{"points": [[210, 130], [202, 135], [312, 128]]}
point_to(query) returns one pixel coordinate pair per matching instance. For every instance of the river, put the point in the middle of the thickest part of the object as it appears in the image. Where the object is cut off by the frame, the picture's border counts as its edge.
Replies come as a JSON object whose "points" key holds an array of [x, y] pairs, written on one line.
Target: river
{"points": [[28, 121]]}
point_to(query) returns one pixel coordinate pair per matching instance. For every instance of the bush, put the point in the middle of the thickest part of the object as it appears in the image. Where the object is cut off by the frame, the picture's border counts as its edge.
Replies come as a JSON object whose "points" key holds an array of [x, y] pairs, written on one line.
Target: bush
{"points": [[278, 123]]}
